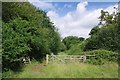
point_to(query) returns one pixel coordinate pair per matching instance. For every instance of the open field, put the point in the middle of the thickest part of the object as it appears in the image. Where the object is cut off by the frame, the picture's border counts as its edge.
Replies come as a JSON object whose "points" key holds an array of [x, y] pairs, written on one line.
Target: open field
{"points": [[69, 70]]}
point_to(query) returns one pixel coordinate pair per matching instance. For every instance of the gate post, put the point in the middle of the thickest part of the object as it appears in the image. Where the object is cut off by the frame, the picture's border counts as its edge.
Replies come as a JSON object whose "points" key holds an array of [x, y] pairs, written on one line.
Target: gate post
{"points": [[47, 58], [84, 58]]}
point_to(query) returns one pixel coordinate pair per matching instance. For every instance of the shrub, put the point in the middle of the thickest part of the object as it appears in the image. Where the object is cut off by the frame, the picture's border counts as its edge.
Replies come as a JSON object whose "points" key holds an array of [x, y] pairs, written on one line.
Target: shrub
{"points": [[102, 56], [25, 34]]}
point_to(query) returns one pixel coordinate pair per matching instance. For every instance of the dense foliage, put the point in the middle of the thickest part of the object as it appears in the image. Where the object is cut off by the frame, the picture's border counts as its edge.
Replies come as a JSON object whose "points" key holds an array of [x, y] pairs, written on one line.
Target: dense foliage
{"points": [[77, 49], [106, 35], [102, 56], [72, 40], [27, 31]]}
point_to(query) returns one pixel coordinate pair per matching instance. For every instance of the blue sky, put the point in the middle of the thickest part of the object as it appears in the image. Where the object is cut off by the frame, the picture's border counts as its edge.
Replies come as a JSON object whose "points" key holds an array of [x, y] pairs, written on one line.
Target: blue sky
{"points": [[75, 18], [71, 6]]}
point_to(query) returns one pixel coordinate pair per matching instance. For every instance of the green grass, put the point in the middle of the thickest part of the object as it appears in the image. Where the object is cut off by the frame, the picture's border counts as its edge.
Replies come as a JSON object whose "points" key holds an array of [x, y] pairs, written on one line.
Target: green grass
{"points": [[69, 70]]}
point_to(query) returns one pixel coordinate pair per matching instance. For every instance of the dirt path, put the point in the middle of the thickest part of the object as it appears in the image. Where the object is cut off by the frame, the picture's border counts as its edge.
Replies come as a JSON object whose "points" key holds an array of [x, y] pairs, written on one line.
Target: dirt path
{"points": [[37, 67]]}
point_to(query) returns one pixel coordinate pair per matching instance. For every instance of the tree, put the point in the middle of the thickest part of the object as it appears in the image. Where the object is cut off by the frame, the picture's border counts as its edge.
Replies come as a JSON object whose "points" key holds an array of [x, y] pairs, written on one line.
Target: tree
{"points": [[26, 31], [81, 38], [14, 43], [107, 37], [94, 30], [71, 40]]}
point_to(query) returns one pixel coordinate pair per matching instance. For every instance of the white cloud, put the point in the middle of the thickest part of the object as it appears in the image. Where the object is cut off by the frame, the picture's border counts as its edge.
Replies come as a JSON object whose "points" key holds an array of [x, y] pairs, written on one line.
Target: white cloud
{"points": [[53, 15], [78, 22], [111, 8], [81, 7]]}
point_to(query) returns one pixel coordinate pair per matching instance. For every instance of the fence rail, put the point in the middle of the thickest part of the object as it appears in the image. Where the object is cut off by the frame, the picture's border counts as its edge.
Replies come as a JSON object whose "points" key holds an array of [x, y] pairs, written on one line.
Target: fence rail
{"points": [[64, 58]]}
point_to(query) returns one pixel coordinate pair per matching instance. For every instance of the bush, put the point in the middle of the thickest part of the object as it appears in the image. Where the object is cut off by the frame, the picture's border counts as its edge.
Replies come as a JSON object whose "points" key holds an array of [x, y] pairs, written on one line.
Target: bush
{"points": [[102, 56], [25, 34]]}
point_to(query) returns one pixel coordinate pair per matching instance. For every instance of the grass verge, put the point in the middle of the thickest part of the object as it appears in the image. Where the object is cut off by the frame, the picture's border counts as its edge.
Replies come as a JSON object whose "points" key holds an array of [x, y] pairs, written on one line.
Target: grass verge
{"points": [[69, 70]]}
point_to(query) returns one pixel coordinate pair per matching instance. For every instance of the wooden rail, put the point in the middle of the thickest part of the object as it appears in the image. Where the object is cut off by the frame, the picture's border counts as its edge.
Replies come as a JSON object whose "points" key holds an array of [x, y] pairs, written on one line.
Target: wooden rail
{"points": [[63, 58]]}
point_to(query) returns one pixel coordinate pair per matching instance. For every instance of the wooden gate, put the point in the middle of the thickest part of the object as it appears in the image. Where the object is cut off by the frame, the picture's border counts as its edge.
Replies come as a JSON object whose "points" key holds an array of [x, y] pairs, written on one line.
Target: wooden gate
{"points": [[67, 58]]}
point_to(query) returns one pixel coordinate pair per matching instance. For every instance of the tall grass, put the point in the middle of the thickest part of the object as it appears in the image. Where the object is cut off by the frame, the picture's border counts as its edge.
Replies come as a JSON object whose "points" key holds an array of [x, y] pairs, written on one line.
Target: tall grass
{"points": [[69, 70]]}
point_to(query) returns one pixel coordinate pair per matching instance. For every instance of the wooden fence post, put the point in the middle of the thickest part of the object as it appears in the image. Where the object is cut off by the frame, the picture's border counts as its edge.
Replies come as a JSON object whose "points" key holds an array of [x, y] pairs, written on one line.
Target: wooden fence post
{"points": [[47, 58], [29, 61], [84, 58]]}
